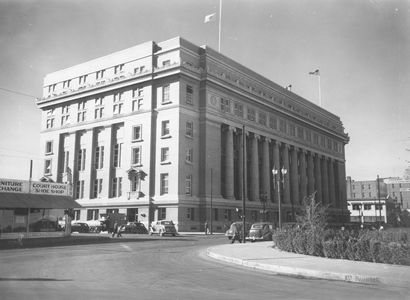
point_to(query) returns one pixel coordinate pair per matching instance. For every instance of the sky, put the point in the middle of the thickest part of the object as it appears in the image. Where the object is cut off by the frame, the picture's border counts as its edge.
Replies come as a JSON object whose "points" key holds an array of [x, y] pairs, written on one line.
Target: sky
{"points": [[362, 48]]}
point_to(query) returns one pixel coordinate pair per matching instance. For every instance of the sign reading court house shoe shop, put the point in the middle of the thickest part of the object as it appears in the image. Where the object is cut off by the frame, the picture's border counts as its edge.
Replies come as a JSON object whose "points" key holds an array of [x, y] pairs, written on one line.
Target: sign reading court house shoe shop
{"points": [[34, 187]]}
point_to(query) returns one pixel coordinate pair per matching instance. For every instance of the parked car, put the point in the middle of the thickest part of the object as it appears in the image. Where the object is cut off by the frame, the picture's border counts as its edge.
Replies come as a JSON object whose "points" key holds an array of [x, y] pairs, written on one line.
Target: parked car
{"points": [[261, 231], [80, 227], [162, 228], [135, 227], [239, 226]]}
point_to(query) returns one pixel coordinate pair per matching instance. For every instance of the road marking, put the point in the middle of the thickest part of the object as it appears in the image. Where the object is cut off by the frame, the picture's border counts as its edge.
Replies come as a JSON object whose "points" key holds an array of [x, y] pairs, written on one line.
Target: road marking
{"points": [[128, 248]]}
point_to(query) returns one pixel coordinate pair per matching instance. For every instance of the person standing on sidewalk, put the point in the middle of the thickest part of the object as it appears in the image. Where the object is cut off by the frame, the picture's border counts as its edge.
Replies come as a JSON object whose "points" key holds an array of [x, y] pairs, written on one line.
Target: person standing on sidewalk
{"points": [[236, 234], [206, 227]]}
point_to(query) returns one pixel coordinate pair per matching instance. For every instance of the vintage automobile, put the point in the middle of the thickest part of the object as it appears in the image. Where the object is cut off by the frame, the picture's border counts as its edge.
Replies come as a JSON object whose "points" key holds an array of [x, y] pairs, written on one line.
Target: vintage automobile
{"points": [[80, 227], [261, 231], [239, 225], [135, 227], [162, 228]]}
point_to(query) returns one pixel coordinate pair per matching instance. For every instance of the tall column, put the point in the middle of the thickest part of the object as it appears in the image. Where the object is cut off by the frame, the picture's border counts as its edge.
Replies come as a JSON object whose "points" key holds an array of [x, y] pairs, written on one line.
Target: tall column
{"points": [[294, 176], [265, 168], [302, 172], [255, 168], [89, 146], [286, 186], [325, 183], [332, 183], [318, 179], [240, 164], [107, 174], [276, 164], [311, 174], [342, 185], [229, 164]]}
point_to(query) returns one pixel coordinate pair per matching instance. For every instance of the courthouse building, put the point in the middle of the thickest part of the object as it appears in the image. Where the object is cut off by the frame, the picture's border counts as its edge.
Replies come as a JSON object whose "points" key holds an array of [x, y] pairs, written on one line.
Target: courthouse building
{"points": [[156, 132]]}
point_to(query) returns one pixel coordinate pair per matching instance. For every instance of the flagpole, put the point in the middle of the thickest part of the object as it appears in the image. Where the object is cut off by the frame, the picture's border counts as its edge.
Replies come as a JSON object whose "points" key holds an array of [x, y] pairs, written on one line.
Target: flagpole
{"points": [[220, 21]]}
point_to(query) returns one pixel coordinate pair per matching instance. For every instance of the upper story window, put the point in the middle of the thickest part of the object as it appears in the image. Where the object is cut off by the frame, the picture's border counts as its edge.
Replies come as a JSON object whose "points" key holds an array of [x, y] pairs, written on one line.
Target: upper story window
{"points": [[292, 130], [164, 154], [79, 191], [262, 118], [92, 214], [137, 104], [165, 128], [116, 187], [47, 167], [308, 135], [117, 155], [50, 112], [137, 133], [251, 114], [50, 123], [49, 147], [165, 94], [189, 155], [82, 79], [139, 69], [300, 133], [315, 139], [65, 119], [189, 129], [225, 105], [189, 95], [356, 206], [238, 109], [188, 185], [136, 156], [137, 93], [99, 74], [51, 88], [164, 183], [166, 63], [97, 188], [118, 68], [81, 114], [99, 108], [81, 156], [273, 122], [66, 84], [99, 101], [99, 157]]}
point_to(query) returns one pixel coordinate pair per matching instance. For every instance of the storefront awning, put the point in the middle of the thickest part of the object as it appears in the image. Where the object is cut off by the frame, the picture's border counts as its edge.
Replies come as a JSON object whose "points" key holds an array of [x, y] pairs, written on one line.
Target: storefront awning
{"points": [[19, 200]]}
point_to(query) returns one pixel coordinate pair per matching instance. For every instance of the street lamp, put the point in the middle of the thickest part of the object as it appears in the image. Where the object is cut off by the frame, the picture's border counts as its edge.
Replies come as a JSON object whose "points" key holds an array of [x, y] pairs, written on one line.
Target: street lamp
{"points": [[275, 172]]}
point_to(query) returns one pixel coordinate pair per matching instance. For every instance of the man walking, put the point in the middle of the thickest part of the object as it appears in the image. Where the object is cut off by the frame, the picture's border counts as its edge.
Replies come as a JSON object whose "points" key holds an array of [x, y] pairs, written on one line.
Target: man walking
{"points": [[236, 233]]}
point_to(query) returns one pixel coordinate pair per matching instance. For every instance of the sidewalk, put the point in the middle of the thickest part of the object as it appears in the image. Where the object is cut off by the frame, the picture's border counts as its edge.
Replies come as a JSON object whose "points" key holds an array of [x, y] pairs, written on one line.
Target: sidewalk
{"points": [[262, 256]]}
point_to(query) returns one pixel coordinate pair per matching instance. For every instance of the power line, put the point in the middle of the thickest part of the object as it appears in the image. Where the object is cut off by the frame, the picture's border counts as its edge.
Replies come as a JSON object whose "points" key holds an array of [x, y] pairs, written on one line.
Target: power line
{"points": [[18, 93]]}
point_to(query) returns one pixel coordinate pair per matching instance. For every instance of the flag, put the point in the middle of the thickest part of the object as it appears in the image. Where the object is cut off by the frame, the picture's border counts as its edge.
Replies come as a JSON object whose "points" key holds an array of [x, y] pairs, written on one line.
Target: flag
{"points": [[210, 18], [315, 72]]}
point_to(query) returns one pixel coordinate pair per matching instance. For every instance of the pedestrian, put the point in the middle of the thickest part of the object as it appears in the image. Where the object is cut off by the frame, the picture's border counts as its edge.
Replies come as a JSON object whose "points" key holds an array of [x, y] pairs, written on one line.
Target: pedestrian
{"points": [[119, 230], [115, 229], [206, 227], [236, 233]]}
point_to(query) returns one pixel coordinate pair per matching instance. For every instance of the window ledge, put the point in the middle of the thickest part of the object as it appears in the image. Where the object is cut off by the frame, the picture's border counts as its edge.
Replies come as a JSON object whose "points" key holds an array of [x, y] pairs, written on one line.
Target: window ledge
{"points": [[166, 102], [168, 136], [165, 163], [137, 140]]}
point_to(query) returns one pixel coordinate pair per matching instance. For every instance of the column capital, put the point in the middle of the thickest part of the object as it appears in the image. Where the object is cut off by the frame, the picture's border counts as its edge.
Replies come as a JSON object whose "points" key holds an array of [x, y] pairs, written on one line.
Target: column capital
{"points": [[257, 136], [277, 143]]}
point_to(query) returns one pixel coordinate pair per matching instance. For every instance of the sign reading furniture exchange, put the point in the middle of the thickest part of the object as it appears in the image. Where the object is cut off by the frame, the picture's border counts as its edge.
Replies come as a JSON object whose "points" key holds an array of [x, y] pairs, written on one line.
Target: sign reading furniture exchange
{"points": [[34, 187]]}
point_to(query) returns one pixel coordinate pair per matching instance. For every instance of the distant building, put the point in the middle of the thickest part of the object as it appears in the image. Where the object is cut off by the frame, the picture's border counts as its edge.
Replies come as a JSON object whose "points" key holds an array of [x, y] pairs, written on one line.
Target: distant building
{"points": [[399, 189], [369, 201], [146, 130]]}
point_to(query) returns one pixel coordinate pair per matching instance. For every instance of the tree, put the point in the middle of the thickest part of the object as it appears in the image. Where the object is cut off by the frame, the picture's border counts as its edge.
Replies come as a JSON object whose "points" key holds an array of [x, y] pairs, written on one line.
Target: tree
{"points": [[313, 215]]}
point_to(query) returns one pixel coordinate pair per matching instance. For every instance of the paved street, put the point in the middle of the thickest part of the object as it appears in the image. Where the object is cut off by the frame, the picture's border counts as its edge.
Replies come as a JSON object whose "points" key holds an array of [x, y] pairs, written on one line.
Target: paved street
{"points": [[142, 267]]}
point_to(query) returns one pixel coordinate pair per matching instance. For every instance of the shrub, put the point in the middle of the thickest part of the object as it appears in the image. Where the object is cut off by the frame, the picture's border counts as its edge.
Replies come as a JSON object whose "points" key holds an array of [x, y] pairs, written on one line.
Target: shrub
{"points": [[299, 241]]}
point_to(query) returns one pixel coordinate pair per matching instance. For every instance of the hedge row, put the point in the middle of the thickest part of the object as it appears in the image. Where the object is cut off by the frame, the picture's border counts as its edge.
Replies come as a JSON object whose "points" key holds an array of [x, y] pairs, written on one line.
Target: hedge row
{"points": [[370, 246]]}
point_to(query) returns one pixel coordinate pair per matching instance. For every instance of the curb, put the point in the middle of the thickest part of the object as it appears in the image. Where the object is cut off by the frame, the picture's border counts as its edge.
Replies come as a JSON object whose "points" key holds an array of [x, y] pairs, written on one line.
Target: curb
{"points": [[299, 272]]}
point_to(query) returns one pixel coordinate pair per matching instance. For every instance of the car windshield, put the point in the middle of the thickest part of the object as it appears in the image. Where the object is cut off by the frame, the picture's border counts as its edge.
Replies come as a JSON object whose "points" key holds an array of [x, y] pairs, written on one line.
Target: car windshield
{"points": [[166, 223], [257, 226]]}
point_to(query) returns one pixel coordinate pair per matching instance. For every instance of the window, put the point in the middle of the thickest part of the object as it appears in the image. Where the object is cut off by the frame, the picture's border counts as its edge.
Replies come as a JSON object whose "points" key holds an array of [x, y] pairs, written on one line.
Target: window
{"points": [[165, 154], [292, 130], [117, 107], [116, 188], [262, 118], [188, 185], [134, 184], [49, 147], [99, 157], [137, 133], [65, 119], [379, 206], [66, 84], [117, 155], [136, 156], [165, 128], [139, 69], [190, 213], [166, 63], [164, 183], [65, 109], [51, 88], [308, 136], [315, 139], [189, 155], [189, 129], [79, 189], [162, 213], [227, 214], [99, 112], [273, 122], [251, 114], [138, 93], [118, 68], [77, 214], [66, 159], [367, 206], [225, 105], [165, 94], [238, 110], [300, 133], [82, 79], [81, 116], [118, 97], [50, 123], [189, 95], [47, 167], [81, 159], [97, 188], [356, 206], [92, 214], [99, 101], [137, 104], [99, 74]]}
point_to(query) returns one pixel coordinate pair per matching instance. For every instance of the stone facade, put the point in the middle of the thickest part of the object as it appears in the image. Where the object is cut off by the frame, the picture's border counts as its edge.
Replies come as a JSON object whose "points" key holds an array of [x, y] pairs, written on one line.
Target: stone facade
{"points": [[145, 131]]}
